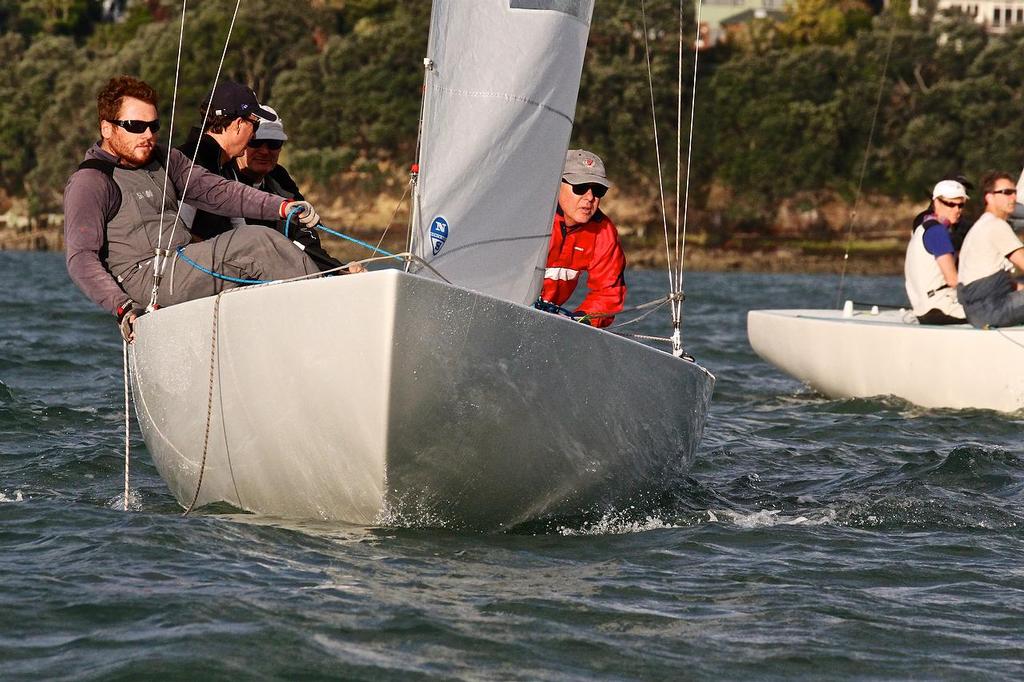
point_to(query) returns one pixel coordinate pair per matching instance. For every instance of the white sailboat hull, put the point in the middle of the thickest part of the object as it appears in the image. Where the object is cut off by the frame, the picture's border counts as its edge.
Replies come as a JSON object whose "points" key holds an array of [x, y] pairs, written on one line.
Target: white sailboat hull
{"points": [[387, 398], [874, 355]]}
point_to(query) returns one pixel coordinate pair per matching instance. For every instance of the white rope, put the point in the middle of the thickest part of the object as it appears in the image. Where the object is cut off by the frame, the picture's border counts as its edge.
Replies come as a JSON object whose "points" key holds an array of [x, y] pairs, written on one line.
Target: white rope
{"points": [[158, 275], [160, 253], [657, 153], [127, 421]]}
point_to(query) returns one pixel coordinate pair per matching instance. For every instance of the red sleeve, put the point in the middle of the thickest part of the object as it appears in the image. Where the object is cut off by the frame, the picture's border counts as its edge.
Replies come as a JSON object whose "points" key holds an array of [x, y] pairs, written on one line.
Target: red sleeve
{"points": [[605, 277]]}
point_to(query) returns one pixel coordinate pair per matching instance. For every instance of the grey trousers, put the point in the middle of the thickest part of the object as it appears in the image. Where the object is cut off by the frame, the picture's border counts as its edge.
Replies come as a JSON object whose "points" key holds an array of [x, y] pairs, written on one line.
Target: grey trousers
{"points": [[992, 301], [246, 252]]}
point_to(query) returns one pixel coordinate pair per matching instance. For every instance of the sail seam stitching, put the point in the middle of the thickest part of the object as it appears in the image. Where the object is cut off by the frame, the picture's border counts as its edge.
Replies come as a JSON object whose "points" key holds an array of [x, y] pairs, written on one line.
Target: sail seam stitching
{"points": [[508, 98]]}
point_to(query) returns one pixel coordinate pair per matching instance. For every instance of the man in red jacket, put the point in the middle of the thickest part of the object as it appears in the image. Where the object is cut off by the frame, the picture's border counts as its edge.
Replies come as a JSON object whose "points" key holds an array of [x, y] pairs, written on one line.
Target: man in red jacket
{"points": [[585, 239]]}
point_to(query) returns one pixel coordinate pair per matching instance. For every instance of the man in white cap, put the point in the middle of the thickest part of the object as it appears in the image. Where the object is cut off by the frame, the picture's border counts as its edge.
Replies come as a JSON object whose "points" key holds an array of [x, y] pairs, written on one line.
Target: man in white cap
{"points": [[583, 239], [258, 166], [990, 295], [931, 264]]}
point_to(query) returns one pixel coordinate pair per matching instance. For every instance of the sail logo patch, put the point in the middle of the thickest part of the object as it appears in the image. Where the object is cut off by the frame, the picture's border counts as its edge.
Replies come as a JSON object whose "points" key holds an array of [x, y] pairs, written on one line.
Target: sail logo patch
{"points": [[438, 233]]}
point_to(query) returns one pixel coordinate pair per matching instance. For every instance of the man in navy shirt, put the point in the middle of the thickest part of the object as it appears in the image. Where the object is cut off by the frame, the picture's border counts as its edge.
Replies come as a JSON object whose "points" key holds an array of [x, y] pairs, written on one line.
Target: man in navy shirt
{"points": [[931, 264]]}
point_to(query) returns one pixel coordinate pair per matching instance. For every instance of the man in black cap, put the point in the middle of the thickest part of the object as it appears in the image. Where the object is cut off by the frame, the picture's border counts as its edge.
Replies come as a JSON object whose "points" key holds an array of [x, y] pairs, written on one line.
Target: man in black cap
{"points": [[231, 116]]}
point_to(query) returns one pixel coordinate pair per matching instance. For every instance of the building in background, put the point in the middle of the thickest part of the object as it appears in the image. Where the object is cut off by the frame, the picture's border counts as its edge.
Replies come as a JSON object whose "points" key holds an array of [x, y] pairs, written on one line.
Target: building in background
{"points": [[997, 16], [719, 18]]}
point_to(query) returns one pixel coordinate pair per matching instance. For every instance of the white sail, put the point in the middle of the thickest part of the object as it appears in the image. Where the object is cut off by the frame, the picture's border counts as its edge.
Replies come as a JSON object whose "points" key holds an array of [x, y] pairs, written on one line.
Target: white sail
{"points": [[500, 97]]}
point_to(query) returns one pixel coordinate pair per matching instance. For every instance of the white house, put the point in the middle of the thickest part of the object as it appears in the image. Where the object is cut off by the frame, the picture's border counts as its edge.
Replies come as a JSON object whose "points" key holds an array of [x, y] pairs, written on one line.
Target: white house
{"points": [[996, 15]]}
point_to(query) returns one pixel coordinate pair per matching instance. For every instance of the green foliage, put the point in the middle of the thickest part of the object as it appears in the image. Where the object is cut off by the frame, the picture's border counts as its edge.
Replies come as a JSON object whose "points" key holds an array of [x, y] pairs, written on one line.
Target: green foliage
{"points": [[788, 112], [55, 17]]}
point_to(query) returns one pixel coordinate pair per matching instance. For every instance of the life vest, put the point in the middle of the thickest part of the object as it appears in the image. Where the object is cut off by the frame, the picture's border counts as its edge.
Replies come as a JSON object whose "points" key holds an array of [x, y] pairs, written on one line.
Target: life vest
{"points": [[132, 234], [926, 286]]}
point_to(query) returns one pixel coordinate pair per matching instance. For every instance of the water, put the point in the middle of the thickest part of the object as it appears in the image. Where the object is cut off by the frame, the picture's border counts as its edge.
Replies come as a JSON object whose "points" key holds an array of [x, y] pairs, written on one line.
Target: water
{"points": [[815, 538]]}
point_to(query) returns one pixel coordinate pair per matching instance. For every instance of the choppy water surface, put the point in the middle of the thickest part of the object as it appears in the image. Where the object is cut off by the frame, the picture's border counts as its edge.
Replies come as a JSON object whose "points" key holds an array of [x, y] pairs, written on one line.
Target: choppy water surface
{"points": [[815, 538]]}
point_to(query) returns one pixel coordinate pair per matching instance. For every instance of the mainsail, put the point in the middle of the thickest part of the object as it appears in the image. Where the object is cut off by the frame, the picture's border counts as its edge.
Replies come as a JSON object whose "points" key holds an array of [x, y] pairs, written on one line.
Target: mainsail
{"points": [[502, 77]]}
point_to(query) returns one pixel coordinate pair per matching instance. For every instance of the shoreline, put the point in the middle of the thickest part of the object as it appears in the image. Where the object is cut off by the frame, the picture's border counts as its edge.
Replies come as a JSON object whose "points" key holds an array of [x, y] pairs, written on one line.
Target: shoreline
{"points": [[781, 259]]}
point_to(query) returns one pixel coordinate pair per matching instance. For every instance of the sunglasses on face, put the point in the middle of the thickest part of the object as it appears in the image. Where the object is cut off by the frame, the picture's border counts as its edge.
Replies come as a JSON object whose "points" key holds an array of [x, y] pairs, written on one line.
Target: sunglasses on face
{"points": [[269, 144], [254, 122], [1007, 191], [952, 204], [137, 127], [597, 190]]}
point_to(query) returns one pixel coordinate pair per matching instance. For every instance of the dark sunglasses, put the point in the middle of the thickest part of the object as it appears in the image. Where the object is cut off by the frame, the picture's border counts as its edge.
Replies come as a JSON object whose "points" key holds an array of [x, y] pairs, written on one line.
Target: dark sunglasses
{"points": [[269, 144], [255, 122], [137, 127], [1008, 191], [579, 190], [952, 204]]}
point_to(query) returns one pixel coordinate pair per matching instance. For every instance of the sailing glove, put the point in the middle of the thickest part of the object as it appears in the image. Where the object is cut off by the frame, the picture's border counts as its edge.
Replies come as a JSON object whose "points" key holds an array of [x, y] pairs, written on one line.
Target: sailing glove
{"points": [[307, 215], [127, 312]]}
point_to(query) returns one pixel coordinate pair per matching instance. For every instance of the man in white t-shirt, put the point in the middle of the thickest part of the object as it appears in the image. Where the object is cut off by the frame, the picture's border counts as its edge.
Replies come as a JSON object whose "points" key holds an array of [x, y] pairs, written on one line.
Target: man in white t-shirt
{"points": [[990, 296]]}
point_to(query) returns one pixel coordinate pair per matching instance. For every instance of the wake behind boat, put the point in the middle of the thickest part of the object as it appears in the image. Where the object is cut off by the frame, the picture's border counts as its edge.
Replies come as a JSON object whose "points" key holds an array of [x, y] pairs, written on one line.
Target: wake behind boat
{"points": [[860, 354], [437, 395]]}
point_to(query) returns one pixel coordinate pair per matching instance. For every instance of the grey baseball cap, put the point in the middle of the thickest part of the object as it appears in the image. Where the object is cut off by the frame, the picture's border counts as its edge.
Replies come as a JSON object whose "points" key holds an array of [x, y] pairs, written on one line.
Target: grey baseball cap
{"points": [[582, 167]]}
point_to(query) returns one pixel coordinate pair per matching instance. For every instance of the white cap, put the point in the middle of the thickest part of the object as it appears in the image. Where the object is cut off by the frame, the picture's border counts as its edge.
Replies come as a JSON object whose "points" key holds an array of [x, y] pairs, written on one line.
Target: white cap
{"points": [[947, 189], [270, 130]]}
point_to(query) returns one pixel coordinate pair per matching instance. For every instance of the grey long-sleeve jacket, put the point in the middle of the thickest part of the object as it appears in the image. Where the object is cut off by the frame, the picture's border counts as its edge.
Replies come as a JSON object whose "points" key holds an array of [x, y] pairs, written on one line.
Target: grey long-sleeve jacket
{"points": [[91, 200]]}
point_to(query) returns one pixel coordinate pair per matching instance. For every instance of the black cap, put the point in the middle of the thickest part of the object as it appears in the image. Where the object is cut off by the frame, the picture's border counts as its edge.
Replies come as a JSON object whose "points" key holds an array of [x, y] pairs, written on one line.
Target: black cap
{"points": [[235, 100]]}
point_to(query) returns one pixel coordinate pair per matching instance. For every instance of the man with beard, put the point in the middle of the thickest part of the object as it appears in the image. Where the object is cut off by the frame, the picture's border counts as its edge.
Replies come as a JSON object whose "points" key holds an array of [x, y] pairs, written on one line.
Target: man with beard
{"points": [[115, 211]]}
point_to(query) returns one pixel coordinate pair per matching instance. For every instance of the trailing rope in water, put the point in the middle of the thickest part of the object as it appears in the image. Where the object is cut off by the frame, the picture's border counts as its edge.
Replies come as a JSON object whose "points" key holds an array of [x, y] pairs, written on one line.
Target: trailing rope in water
{"points": [[127, 421], [209, 402], [864, 163]]}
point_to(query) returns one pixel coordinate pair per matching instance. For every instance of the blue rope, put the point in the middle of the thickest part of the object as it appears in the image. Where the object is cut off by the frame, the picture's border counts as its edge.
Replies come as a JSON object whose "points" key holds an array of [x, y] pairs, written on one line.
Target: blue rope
{"points": [[228, 278], [371, 247], [324, 228], [287, 225]]}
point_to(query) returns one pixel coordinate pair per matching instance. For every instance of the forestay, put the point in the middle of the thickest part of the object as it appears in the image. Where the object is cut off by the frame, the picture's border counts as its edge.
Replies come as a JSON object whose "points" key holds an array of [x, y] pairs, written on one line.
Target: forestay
{"points": [[502, 78]]}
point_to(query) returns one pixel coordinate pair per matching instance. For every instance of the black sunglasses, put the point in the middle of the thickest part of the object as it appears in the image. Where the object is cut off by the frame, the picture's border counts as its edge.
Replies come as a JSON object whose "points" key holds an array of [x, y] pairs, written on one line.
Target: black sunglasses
{"points": [[137, 127], [952, 204], [1007, 191], [269, 144], [579, 190]]}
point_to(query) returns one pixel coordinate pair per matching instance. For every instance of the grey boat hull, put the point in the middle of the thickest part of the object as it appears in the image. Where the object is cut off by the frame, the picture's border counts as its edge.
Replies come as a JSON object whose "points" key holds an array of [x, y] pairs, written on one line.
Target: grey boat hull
{"points": [[391, 399]]}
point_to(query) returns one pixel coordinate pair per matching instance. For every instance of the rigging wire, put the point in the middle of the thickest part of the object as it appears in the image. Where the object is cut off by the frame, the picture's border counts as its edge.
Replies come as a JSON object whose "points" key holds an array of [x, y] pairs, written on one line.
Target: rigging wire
{"points": [[864, 162], [657, 154], [158, 273], [681, 242], [414, 172], [159, 253]]}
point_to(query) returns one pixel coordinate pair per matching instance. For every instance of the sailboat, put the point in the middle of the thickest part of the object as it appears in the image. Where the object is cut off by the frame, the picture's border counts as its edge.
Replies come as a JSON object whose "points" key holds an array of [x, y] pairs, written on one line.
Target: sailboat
{"points": [[433, 394], [852, 353]]}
